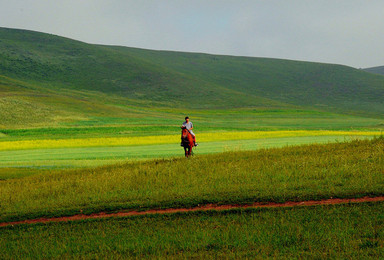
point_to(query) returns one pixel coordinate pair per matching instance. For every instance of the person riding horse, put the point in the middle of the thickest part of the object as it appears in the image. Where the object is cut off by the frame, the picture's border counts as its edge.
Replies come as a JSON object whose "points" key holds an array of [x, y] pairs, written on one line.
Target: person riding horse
{"points": [[188, 124]]}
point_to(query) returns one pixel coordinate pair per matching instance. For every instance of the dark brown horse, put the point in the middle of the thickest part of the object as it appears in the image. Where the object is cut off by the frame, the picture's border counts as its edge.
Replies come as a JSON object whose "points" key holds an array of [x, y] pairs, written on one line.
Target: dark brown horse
{"points": [[187, 141]]}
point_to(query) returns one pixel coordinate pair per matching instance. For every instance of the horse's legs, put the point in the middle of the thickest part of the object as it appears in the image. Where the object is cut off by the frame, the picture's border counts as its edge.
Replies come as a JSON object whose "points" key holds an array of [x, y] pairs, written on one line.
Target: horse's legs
{"points": [[185, 152]]}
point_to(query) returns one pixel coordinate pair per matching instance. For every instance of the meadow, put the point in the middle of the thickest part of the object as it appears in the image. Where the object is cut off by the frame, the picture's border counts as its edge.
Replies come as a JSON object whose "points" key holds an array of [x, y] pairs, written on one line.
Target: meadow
{"points": [[352, 231], [30, 161], [134, 162], [89, 128], [156, 134], [166, 139], [166, 121], [49, 76], [295, 173]]}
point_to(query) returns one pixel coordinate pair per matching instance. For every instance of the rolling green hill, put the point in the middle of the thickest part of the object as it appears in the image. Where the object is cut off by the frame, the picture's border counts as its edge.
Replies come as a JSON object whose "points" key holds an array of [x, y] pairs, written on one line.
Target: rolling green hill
{"points": [[322, 86], [60, 63], [46, 78], [376, 70]]}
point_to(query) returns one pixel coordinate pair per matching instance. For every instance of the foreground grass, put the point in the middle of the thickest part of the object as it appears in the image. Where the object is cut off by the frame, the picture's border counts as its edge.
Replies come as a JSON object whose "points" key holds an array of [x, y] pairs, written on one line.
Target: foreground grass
{"points": [[343, 231], [293, 173]]}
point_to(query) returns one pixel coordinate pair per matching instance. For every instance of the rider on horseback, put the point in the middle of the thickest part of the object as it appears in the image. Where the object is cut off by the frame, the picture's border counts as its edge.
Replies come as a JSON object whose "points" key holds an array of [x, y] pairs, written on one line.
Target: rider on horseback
{"points": [[188, 124]]}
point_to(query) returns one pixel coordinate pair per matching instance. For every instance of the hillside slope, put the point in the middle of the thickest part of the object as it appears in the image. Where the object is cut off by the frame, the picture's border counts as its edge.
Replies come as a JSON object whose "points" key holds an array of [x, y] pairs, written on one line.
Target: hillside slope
{"points": [[75, 70], [62, 63], [325, 86], [376, 70]]}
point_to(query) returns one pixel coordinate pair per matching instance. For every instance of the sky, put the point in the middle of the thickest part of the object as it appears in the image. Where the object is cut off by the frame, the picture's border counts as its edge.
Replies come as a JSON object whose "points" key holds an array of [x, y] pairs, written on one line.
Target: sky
{"points": [[348, 32]]}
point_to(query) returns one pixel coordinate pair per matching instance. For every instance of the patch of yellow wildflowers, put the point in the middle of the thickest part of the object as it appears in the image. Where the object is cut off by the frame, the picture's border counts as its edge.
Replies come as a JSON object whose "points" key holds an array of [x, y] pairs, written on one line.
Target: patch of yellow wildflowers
{"points": [[168, 139]]}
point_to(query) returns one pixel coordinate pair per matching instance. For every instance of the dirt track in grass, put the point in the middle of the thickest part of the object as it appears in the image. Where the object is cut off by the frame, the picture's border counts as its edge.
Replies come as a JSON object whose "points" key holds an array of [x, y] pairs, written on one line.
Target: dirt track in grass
{"points": [[206, 207]]}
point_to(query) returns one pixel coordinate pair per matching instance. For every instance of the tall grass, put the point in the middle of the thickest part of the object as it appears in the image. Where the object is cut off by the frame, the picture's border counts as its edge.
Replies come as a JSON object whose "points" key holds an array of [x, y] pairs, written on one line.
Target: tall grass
{"points": [[322, 232], [292, 173]]}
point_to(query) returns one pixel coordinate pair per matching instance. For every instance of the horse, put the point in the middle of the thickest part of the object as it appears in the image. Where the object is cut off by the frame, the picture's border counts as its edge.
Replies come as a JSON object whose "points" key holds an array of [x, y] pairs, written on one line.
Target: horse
{"points": [[187, 141]]}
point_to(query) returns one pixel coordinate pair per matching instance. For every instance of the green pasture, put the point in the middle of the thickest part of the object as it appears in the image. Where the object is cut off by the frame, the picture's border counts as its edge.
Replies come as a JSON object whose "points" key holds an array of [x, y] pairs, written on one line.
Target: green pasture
{"points": [[55, 89], [353, 231], [148, 121], [95, 156], [47, 79], [152, 121], [344, 169]]}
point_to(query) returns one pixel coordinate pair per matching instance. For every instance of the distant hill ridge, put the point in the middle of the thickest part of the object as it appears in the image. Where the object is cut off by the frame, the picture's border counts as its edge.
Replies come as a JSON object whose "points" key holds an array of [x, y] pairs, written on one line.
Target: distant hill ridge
{"points": [[44, 63], [376, 70]]}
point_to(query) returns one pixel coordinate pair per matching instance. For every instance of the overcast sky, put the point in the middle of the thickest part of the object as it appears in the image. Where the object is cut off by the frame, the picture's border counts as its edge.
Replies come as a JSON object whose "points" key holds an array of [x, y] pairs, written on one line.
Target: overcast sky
{"points": [[349, 32]]}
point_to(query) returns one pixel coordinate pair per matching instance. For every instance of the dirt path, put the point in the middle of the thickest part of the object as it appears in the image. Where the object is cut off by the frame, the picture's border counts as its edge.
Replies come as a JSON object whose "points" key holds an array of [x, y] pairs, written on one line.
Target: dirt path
{"points": [[199, 208]]}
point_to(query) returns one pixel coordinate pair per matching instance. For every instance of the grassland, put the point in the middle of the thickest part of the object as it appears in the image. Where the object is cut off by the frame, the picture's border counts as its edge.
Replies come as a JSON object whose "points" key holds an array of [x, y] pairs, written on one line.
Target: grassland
{"points": [[378, 70], [57, 80], [350, 169], [12, 161], [152, 133], [154, 121], [166, 139], [344, 231], [323, 86], [79, 123]]}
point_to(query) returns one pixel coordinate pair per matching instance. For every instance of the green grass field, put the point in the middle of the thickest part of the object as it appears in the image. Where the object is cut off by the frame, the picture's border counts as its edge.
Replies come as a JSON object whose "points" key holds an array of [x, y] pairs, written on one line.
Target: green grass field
{"points": [[35, 185], [352, 231], [54, 158], [155, 121], [346, 169], [89, 128], [50, 81], [164, 122]]}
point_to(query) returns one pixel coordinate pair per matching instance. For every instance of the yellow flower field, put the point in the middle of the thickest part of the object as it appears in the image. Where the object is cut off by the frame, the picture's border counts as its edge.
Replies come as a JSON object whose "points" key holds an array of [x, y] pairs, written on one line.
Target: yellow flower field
{"points": [[168, 139]]}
